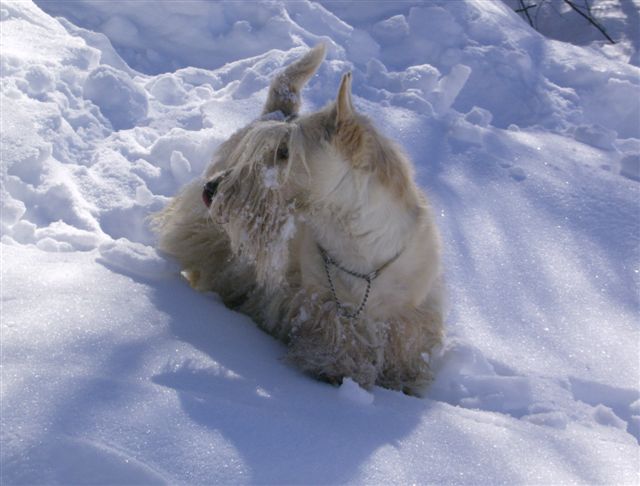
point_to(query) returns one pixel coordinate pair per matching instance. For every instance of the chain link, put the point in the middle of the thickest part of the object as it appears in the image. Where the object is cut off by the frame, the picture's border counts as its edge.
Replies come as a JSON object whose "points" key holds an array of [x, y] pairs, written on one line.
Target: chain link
{"points": [[341, 308], [368, 277]]}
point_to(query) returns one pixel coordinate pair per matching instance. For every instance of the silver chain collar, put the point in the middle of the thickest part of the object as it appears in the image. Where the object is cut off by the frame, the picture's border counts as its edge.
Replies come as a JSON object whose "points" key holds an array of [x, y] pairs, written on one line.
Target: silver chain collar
{"points": [[368, 277]]}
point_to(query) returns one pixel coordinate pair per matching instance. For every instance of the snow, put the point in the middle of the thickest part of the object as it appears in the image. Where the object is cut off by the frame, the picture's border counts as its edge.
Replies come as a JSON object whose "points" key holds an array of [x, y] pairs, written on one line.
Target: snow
{"points": [[121, 101], [115, 371], [351, 391]]}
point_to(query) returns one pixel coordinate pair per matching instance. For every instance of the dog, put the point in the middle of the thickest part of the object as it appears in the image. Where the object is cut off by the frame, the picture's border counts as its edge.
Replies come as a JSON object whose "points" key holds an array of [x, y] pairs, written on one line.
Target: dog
{"points": [[313, 226]]}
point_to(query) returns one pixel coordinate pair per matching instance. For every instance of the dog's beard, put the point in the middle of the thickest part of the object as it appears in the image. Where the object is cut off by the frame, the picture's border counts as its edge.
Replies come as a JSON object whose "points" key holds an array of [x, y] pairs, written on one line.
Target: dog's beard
{"points": [[251, 207]]}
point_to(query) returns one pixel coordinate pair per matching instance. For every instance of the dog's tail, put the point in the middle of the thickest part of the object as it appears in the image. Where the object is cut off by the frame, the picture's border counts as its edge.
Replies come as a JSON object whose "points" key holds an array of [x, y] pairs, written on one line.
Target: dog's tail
{"points": [[284, 92]]}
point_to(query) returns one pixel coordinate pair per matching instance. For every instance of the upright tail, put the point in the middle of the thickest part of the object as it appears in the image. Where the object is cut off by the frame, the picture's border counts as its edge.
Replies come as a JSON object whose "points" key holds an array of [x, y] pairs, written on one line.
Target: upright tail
{"points": [[284, 92]]}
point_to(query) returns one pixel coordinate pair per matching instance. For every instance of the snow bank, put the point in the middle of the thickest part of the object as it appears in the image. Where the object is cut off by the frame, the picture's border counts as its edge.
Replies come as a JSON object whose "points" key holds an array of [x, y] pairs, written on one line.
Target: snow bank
{"points": [[151, 384], [115, 371], [121, 101], [517, 75]]}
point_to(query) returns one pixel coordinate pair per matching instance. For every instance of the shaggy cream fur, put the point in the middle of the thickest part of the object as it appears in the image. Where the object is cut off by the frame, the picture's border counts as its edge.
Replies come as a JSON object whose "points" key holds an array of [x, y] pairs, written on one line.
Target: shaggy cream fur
{"points": [[288, 189]]}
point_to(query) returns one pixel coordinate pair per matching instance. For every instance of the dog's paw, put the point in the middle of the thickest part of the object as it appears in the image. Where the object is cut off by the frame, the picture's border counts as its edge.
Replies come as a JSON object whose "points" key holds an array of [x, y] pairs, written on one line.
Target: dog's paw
{"points": [[193, 277], [331, 380]]}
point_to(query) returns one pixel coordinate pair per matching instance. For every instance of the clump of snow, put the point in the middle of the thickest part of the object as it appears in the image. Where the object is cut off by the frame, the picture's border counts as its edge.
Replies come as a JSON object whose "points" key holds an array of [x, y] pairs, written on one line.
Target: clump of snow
{"points": [[605, 416], [270, 177], [449, 87], [12, 211], [180, 167], [76, 238], [168, 90], [120, 100], [351, 391], [39, 80], [556, 420], [136, 259], [630, 166], [479, 116], [596, 135]]}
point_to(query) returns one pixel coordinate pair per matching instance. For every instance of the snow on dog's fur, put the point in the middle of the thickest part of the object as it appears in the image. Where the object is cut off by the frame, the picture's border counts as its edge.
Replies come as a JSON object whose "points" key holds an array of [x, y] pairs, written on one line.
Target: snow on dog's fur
{"points": [[314, 227]]}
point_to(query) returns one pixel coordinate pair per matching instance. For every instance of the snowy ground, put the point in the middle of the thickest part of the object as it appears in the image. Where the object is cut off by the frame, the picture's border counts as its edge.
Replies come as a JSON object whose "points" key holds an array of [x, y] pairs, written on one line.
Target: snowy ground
{"points": [[115, 371]]}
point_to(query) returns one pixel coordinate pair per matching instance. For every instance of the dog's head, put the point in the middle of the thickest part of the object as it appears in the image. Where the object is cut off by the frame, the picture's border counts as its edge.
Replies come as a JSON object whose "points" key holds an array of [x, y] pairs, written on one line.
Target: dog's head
{"points": [[282, 165], [245, 197]]}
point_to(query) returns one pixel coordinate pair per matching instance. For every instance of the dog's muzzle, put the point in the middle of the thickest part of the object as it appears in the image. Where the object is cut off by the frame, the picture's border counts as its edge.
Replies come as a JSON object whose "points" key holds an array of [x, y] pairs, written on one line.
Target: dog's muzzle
{"points": [[210, 189]]}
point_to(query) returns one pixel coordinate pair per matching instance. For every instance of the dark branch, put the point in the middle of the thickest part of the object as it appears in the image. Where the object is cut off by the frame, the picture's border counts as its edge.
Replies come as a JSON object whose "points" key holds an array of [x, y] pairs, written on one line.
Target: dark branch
{"points": [[590, 19], [525, 9], [588, 7]]}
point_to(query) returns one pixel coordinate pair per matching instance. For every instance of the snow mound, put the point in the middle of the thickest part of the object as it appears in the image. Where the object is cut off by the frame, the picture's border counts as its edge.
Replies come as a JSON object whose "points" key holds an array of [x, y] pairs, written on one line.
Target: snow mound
{"points": [[121, 101], [351, 391], [136, 259]]}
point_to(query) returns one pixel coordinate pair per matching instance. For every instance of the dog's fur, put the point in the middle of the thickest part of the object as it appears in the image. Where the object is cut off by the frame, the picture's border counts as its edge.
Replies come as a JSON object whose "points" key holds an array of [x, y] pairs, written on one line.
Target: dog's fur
{"points": [[291, 186]]}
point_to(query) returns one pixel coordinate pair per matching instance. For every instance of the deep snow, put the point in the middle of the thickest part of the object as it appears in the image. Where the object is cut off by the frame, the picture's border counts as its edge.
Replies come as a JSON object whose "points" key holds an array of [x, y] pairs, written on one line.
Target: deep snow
{"points": [[115, 371]]}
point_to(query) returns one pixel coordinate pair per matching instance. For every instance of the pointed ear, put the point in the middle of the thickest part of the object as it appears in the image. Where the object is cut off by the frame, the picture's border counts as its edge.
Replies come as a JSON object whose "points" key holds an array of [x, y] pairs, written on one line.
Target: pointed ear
{"points": [[344, 105], [284, 92]]}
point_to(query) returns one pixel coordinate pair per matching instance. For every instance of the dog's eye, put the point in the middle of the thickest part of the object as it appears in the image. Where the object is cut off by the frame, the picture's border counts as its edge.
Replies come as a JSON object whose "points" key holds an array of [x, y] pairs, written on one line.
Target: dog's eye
{"points": [[283, 153]]}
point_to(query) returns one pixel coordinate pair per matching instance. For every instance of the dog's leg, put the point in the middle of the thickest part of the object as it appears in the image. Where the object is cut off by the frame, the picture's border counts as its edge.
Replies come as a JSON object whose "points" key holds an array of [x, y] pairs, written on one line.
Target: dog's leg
{"points": [[412, 337], [331, 347], [284, 92], [186, 232]]}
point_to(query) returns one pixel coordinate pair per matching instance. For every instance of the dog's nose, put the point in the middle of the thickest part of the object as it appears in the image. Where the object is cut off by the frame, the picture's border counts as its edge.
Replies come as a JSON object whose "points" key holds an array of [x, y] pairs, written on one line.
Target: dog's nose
{"points": [[210, 189]]}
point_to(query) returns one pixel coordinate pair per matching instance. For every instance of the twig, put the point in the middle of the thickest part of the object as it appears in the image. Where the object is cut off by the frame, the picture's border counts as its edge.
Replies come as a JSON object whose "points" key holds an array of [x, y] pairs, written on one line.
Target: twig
{"points": [[525, 9], [590, 19], [588, 7]]}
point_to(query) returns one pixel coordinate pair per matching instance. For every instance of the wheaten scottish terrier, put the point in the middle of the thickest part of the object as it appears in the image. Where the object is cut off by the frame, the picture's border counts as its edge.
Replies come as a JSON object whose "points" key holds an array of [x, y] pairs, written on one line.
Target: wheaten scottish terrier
{"points": [[313, 226]]}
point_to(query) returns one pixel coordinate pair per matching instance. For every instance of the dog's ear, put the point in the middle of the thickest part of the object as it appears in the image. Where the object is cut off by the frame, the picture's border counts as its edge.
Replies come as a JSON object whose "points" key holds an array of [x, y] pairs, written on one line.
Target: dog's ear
{"points": [[344, 105], [284, 92], [347, 130]]}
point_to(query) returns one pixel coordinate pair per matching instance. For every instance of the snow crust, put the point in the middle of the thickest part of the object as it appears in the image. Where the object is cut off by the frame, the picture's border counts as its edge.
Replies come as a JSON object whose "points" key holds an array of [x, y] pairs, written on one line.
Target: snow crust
{"points": [[115, 371]]}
